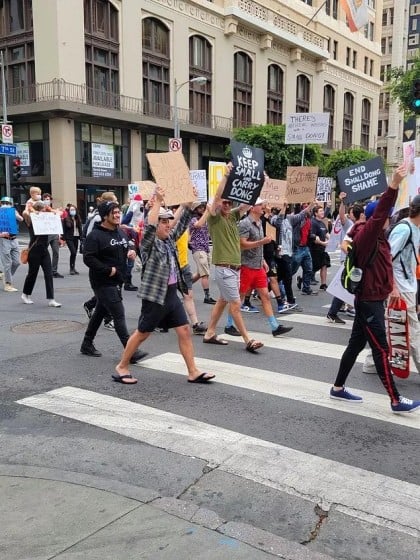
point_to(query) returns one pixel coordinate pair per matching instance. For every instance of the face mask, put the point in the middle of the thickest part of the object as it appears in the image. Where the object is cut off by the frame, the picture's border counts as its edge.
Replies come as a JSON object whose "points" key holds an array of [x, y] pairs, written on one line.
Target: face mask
{"points": [[47, 201], [37, 197], [72, 212]]}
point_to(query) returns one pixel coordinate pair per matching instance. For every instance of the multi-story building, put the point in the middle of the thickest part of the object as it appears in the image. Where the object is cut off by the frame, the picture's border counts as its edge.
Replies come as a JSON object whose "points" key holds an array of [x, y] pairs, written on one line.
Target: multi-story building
{"points": [[91, 84]]}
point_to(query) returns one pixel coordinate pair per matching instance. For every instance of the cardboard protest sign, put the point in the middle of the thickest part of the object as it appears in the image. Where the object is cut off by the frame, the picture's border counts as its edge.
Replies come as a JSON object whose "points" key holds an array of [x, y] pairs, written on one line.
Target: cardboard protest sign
{"points": [[301, 184], [363, 180], [8, 222], [199, 180], [146, 189], [271, 231], [172, 174], [274, 192], [46, 223], [247, 177], [323, 189]]}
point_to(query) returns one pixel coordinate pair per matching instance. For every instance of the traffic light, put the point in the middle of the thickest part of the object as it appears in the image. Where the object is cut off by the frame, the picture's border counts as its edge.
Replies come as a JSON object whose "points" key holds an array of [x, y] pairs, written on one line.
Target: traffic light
{"points": [[17, 169], [415, 96]]}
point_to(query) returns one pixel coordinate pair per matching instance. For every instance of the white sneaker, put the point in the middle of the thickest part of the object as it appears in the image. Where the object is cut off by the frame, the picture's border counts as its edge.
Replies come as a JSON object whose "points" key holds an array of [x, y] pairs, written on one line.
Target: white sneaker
{"points": [[26, 299], [53, 303], [9, 288]]}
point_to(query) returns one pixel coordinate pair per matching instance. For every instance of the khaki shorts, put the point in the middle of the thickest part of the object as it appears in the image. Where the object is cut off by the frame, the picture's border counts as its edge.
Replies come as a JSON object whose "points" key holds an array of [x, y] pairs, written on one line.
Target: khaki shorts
{"points": [[202, 260]]}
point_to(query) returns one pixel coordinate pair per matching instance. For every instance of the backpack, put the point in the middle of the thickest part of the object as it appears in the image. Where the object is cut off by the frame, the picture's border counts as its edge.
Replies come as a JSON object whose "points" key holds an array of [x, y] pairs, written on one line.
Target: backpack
{"points": [[409, 241], [350, 264]]}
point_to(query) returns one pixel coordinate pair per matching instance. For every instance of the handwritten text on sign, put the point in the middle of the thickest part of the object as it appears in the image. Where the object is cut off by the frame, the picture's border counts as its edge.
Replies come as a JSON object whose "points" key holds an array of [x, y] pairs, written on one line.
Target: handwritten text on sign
{"points": [[172, 174], [301, 184], [307, 128], [46, 223], [274, 192]]}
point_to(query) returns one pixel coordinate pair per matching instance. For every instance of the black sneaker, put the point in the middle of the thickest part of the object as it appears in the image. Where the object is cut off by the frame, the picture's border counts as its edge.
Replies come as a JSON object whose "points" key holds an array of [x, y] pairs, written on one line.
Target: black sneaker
{"points": [[130, 288], [335, 319], [89, 311], [299, 282], [137, 356], [233, 331], [57, 275], [209, 300], [281, 330], [88, 349], [323, 287]]}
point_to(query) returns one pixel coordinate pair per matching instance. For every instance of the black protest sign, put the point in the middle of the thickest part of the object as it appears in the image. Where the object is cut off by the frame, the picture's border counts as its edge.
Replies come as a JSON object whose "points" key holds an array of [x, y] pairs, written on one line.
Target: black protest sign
{"points": [[247, 176], [363, 180]]}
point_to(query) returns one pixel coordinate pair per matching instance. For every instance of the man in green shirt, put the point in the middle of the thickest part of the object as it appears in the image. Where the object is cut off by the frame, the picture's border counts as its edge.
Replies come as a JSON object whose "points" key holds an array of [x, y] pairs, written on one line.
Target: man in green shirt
{"points": [[226, 257]]}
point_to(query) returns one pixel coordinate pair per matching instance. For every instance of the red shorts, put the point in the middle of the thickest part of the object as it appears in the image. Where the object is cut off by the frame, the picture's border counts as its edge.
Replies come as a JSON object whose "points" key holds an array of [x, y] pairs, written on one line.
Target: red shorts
{"points": [[252, 279]]}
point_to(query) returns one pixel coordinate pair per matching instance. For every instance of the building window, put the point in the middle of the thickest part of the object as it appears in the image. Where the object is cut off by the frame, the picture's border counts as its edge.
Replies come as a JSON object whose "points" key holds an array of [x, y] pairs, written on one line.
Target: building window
{"points": [[156, 61], [329, 107], [365, 130], [200, 94], [348, 120], [275, 79], [384, 18], [335, 50], [354, 59], [383, 45], [101, 151], [242, 90], [303, 94], [102, 53], [32, 145], [15, 17], [348, 56], [391, 16], [371, 67]]}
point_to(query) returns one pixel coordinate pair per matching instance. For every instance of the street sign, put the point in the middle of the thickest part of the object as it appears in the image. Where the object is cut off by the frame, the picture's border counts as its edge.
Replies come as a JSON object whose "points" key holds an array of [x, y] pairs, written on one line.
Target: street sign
{"points": [[8, 150], [7, 133], [175, 144]]}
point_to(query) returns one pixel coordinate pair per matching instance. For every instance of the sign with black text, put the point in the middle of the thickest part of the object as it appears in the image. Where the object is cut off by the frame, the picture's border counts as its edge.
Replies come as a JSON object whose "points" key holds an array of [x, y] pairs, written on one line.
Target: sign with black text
{"points": [[247, 176], [363, 180]]}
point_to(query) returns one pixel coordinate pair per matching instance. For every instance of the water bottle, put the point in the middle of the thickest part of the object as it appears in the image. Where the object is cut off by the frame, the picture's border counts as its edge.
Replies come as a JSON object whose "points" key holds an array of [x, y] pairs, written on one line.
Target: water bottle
{"points": [[356, 275]]}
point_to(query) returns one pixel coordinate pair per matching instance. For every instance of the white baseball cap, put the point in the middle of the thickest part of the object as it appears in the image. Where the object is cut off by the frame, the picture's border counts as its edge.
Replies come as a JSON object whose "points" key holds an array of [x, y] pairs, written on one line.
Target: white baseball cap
{"points": [[165, 214]]}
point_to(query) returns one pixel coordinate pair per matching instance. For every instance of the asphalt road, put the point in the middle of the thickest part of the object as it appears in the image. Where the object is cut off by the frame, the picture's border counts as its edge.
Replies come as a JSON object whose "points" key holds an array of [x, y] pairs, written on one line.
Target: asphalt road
{"points": [[369, 450]]}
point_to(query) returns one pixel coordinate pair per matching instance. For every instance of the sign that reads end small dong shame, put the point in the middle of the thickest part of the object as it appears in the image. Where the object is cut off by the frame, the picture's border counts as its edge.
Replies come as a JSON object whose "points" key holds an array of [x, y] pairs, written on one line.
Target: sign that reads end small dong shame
{"points": [[363, 180]]}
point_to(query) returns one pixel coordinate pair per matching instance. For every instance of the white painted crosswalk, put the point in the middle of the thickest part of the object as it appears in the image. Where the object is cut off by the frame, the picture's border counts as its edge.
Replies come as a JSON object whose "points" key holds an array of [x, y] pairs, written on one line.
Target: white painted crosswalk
{"points": [[366, 495]]}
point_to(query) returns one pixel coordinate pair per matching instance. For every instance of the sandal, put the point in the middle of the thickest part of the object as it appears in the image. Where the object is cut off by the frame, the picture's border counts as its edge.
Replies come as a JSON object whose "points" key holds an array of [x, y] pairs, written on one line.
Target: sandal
{"points": [[253, 346], [215, 340]]}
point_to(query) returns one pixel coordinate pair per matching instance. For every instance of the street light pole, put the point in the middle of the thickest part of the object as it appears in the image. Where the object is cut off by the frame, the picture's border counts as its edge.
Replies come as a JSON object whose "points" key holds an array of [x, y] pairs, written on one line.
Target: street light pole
{"points": [[3, 92], [196, 80]]}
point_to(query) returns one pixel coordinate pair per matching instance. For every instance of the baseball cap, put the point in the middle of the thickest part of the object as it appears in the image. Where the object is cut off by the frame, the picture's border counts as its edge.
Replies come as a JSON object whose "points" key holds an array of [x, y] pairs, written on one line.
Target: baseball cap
{"points": [[370, 209], [165, 214], [7, 199], [259, 201], [137, 197], [106, 207]]}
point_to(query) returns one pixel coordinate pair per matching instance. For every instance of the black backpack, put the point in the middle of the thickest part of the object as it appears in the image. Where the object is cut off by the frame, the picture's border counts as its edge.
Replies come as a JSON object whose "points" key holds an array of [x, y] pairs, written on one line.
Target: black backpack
{"points": [[350, 264]]}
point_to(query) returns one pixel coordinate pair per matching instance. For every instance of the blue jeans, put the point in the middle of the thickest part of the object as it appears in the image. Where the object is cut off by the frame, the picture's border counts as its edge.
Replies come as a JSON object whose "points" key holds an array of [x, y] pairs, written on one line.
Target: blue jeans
{"points": [[302, 257]]}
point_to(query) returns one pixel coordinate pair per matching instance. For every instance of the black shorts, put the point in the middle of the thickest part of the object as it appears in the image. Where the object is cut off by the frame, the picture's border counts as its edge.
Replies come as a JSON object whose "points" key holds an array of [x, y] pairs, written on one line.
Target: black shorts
{"points": [[320, 259], [167, 316]]}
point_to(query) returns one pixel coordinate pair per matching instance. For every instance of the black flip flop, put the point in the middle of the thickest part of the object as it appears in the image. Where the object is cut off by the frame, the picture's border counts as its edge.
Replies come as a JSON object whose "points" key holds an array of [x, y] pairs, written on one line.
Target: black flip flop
{"points": [[120, 379], [201, 378], [215, 340]]}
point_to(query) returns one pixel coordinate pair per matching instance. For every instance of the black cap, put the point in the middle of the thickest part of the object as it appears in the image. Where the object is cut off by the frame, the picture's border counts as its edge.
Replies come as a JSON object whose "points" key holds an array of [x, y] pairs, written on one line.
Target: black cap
{"points": [[106, 207]]}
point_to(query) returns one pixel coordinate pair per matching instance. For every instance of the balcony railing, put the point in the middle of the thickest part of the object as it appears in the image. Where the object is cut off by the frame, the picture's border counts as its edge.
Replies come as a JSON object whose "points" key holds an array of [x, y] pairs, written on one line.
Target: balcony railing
{"points": [[60, 90]]}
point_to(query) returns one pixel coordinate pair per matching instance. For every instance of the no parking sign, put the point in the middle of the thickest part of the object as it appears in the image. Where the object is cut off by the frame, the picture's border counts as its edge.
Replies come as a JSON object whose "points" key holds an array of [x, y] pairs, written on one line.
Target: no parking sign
{"points": [[7, 133], [175, 144]]}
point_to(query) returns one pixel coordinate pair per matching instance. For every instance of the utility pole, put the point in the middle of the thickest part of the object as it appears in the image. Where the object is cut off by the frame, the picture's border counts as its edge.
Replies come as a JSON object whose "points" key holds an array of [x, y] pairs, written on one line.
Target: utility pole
{"points": [[5, 121]]}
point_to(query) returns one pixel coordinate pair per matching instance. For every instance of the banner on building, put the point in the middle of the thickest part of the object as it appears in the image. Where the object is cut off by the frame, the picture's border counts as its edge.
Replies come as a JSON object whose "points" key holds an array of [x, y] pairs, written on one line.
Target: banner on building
{"points": [[23, 153], [103, 163], [356, 12], [246, 179], [171, 172], [363, 180], [301, 184]]}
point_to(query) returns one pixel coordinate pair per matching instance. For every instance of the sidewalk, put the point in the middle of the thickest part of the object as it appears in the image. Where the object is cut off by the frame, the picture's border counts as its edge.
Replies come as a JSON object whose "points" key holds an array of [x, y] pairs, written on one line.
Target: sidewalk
{"points": [[47, 513]]}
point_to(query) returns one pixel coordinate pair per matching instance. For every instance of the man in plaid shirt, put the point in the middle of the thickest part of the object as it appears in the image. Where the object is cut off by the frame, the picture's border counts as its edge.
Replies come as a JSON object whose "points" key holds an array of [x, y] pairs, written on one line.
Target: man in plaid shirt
{"points": [[161, 278]]}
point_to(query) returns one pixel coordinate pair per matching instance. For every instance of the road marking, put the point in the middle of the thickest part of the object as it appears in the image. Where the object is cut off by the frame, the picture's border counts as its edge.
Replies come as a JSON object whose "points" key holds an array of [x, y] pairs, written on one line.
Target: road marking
{"points": [[310, 391], [316, 320], [363, 494]]}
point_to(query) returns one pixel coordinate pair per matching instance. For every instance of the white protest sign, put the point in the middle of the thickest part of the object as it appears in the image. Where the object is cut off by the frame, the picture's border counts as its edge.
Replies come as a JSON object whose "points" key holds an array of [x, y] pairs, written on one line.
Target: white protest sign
{"points": [[133, 189], [199, 180], [307, 128], [335, 288], [46, 223]]}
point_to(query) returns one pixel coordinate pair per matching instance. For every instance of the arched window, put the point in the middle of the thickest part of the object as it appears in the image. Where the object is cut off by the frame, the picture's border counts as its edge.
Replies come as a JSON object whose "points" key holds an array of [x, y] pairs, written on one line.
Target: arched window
{"points": [[329, 107], [17, 43], [200, 94], [275, 79], [303, 94], [242, 90], [365, 132], [156, 83], [102, 53], [348, 120]]}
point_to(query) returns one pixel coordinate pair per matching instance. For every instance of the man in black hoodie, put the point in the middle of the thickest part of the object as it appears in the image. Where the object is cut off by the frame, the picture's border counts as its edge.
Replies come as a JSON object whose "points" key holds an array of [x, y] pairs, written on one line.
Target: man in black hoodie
{"points": [[105, 253]]}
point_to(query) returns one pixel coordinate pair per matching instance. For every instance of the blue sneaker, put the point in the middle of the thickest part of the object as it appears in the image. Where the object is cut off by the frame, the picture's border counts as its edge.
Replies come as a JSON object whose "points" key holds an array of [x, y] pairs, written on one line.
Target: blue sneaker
{"points": [[249, 309], [344, 395], [405, 405]]}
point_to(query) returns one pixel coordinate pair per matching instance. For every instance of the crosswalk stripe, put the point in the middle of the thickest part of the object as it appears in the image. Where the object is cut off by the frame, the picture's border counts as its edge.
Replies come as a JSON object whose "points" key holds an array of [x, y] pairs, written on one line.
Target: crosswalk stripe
{"points": [[310, 391], [315, 320], [366, 495]]}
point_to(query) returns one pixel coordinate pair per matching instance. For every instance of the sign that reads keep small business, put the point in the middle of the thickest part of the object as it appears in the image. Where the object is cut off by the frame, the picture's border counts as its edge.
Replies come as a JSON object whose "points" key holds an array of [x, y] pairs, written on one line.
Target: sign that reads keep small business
{"points": [[301, 184], [363, 180], [247, 177]]}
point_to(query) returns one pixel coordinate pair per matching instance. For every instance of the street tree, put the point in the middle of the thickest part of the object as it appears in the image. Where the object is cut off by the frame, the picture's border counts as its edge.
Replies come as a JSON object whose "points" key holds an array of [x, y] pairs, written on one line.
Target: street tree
{"points": [[342, 159], [400, 86]]}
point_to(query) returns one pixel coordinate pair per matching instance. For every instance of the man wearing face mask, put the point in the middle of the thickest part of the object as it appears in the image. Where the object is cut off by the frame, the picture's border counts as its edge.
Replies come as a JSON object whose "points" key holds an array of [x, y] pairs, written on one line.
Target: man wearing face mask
{"points": [[9, 247], [53, 240]]}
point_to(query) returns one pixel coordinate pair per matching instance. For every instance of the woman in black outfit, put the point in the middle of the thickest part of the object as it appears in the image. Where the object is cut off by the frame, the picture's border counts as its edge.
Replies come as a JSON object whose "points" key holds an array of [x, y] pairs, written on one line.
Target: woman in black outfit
{"points": [[39, 256], [72, 233]]}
